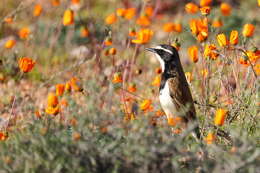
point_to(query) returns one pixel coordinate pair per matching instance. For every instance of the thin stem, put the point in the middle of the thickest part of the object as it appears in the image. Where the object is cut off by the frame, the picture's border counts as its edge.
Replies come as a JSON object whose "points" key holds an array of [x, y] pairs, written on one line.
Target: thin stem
{"points": [[12, 115]]}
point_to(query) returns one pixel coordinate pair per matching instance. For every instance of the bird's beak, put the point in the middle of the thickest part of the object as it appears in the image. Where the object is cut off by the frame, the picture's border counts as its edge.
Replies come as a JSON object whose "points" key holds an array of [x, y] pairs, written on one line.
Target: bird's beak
{"points": [[151, 50]]}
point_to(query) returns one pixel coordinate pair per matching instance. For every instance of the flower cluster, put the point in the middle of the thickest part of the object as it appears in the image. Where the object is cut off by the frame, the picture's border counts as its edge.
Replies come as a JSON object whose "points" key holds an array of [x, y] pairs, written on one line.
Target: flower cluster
{"points": [[54, 106]]}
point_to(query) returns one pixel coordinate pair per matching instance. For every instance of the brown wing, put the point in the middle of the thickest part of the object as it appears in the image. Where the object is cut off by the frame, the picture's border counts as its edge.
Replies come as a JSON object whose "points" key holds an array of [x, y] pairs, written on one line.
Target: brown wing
{"points": [[182, 98]]}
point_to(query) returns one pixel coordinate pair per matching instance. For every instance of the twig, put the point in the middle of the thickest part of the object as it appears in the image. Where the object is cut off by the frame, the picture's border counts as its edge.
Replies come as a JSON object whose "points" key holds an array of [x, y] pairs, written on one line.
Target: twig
{"points": [[205, 105], [19, 8], [76, 64], [12, 115]]}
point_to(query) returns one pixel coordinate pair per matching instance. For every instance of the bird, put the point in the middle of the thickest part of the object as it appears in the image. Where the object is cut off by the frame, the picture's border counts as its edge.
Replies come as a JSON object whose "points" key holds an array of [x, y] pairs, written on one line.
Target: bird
{"points": [[174, 92]]}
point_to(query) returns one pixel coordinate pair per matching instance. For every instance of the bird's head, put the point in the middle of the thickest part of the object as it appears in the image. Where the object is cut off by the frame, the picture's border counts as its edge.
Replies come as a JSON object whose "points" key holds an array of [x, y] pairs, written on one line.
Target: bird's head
{"points": [[166, 55]]}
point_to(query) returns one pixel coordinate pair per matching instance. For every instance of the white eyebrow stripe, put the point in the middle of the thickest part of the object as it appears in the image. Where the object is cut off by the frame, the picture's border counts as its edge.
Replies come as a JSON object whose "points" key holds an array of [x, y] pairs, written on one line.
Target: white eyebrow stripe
{"points": [[166, 50]]}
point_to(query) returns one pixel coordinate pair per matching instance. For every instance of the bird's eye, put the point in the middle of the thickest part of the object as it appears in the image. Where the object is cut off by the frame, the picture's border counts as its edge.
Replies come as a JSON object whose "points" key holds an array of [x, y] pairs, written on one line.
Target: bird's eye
{"points": [[159, 51]]}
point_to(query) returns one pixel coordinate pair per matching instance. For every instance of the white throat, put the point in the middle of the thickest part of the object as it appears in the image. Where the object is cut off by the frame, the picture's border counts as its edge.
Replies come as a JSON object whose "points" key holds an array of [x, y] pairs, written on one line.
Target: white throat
{"points": [[161, 62]]}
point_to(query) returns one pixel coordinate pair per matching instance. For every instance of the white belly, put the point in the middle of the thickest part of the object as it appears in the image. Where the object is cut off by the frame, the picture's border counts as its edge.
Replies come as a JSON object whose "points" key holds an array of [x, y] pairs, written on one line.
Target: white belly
{"points": [[166, 101]]}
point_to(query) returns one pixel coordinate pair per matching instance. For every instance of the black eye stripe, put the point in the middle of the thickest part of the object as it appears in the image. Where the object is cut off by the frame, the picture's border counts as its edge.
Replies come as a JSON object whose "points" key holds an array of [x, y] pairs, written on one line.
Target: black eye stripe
{"points": [[161, 52]]}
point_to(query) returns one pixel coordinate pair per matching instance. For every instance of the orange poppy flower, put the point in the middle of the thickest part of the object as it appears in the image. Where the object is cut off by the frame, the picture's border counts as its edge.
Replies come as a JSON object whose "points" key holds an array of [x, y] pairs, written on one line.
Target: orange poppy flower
{"points": [[67, 87], [60, 88], [253, 56], [132, 32], [8, 20], [37, 114], [52, 100], [225, 9], [210, 138], [64, 102], [76, 136], [75, 84], [189, 76], [73, 122], [199, 27], [157, 80], [106, 53], [132, 88], [9, 44], [24, 33], [117, 78], [26, 64], [169, 27], [202, 25], [2, 77], [52, 110], [248, 30], [217, 23], [222, 40], [37, 10], [149, 11], [191, 8], [178, 27], [205, 10], [202, 36], [112, 51], [120, 12], [111, 19], [159, 113], [108, 41], [205, 2], [220, 117], [129, 13], [209, 51], [244, 61], [68, 17], [193, 26], [84, 32], [146, 105], [193, 53], [143, 36], [75, 2], [55, 2], [173, 121], [143, 21], [177, 131], [3, 136], [257, 69], [233, 37]]}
